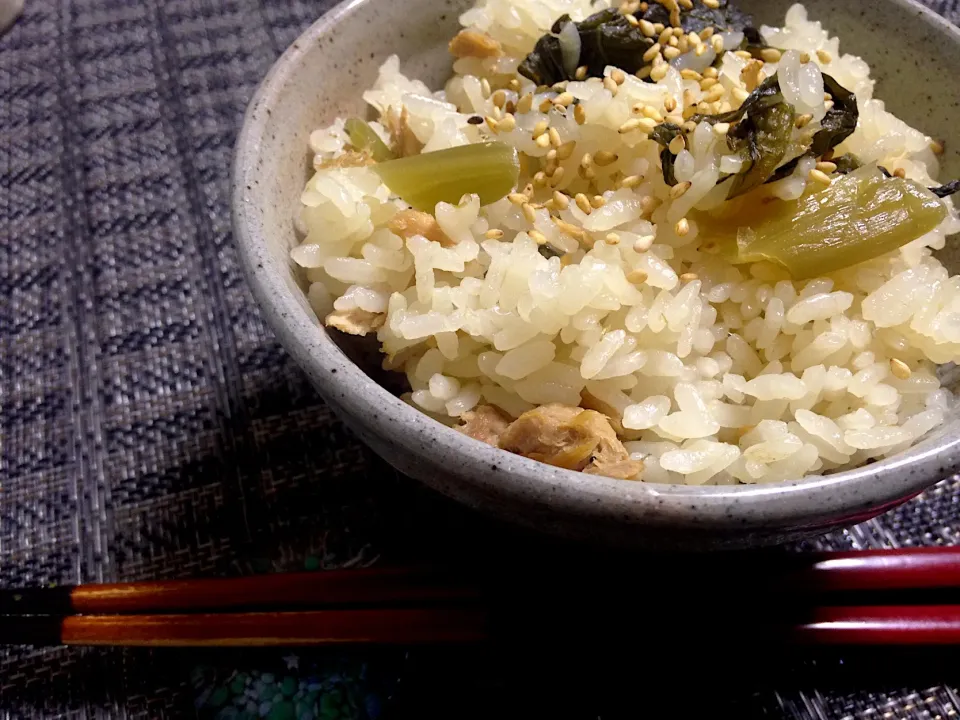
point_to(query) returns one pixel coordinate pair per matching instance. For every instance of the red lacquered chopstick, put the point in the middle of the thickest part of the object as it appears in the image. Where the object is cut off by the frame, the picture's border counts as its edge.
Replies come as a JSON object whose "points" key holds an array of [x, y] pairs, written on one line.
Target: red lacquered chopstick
{"points": [[903, 569], [880, 625]]}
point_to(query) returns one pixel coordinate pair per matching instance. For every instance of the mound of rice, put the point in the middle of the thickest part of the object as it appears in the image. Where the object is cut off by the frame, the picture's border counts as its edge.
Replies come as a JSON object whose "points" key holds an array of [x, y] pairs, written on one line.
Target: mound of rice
{"points": [[710, 372]]}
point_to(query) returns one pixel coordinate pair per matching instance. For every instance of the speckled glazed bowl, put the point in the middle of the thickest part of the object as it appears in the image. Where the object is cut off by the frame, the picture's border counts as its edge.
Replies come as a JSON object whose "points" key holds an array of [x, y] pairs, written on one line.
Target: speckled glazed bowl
{"points": [[914, 54]]}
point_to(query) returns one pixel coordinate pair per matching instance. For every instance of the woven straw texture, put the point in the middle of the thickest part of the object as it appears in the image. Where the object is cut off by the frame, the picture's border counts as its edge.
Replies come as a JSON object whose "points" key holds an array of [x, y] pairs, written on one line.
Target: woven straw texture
{"points": [[151, 425]]}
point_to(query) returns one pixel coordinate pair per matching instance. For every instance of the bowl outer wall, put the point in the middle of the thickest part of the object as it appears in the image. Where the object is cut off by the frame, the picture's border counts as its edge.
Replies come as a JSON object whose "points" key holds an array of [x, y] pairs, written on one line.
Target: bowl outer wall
{"points": [[322, 75]]}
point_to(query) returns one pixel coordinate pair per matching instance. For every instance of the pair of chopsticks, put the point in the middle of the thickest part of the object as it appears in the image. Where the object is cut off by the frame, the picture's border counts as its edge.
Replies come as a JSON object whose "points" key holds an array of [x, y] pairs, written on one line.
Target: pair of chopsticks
{"points": [[898, 597]]}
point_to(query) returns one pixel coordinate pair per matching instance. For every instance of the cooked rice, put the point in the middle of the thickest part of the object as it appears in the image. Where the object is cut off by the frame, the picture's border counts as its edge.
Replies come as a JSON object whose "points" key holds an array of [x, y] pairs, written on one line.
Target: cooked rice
{"points": [[714, 373]]}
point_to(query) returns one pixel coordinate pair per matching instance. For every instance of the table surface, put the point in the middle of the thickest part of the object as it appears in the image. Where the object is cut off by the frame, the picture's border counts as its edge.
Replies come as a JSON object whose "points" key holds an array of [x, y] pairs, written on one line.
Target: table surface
{"points": [[152, 427]]}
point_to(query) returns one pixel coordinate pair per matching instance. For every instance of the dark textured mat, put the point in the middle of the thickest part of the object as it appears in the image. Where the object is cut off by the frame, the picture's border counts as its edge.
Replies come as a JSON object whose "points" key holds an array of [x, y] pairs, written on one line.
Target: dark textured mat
{"points": [[152, 427]]}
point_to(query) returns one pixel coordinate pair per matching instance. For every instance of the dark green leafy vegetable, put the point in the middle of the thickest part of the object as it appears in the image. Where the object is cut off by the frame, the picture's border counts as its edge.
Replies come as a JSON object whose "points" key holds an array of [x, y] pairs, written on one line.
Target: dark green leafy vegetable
{"points": [[365, 139], [762, 138], [943, 191], [766, 95], [606, 38], [664, 134], [837, 125], [859, 217], [726, 17], [846, 163], [488, 169]]}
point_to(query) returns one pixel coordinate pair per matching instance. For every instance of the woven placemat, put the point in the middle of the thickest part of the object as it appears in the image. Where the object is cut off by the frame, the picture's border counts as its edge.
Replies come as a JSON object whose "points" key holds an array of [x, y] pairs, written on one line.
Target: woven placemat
{"points": [[152, 427]]}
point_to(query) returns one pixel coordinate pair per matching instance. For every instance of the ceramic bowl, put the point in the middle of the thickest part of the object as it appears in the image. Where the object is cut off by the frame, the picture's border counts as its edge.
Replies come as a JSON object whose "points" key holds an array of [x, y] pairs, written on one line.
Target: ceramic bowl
{"points": [[914, 54]]}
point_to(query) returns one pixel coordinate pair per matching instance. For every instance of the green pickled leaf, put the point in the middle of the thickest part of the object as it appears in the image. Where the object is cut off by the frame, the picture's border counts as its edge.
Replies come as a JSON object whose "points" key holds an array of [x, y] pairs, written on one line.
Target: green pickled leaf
{"points": [[606, 38], [861, 216], [364, 138], [488, 169], [763, 138], [950, 188]]}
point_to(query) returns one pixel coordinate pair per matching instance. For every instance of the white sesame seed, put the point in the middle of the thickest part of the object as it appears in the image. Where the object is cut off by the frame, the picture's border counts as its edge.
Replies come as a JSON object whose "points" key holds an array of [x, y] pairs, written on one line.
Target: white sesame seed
{"points": [[679, 189], [770, 55], [538, 237], [646, 27], [508, 123], [553, 135], [597, 201], [826, 167], [818, 176], [612, 239], [493, 234], [583, 203], [631, 181], [580, 73], [643, 243], [563, 99], [677, 145], [560, 200], [525, 104], [900, 369], [604, 158], [543, 141], [629, 126], [824, 57], [579, 114], [540, 128], [618, 76], [651, 52], [529, 212], [682, 227], [610, 85]]}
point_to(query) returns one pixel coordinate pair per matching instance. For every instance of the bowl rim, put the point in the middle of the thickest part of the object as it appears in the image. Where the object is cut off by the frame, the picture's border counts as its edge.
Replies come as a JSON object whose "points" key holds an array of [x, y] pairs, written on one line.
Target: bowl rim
{"points": [[501, 474]]}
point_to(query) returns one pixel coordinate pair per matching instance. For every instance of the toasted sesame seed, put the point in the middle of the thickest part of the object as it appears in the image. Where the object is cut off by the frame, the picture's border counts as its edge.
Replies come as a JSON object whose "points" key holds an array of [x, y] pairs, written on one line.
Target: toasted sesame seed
{"points": [[597, 201], [612, 239], [689, 277], [688, 127], [651, 112], [707, 83], [818, 176], [686, 4], [937, 147], [563, 99], [824, 57], [677, 145], [646, 125], [559, 87], [518, 198], [637, 276], [604, 158], [540, 128], [643, 243], [712, 4], [583, 203], [610, 85], [689, 74], [538, 237], [632, 20], [711, 72], [618, 76], [826, 167], [631, 181], [556, 177], [525, 104], [553, 135], [586, 160], [566, 150], [508, 123], [629, 126], [543, 141], [804, 58], [587, 173], [492, 124], [670, 104], [900, 369], [721, 129], [679, 189], [514, 84], [540, 179], [664, 37], [743, 54], [579, 114], [803, 120], [657, 28], [651, 52], [499, 98], [493, 234], [560, 200], [545, 105], [644, 72], [900, 173], [659, 72], [682, 227], [716, 43], [580, 73], [770, 55], [671, 53], [529, 212], [646, 27]]}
